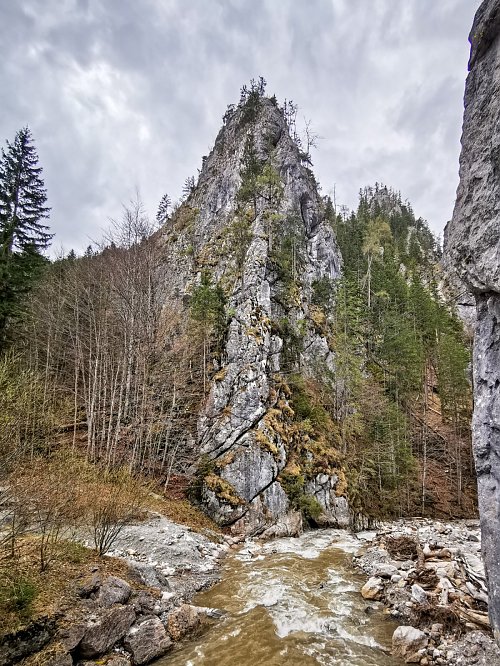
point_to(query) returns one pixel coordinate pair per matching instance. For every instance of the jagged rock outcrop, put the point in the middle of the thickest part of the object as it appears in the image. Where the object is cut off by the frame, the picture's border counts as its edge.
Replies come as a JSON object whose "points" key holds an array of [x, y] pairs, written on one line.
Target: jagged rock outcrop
{"points": [[255, 228], [472, 245]]}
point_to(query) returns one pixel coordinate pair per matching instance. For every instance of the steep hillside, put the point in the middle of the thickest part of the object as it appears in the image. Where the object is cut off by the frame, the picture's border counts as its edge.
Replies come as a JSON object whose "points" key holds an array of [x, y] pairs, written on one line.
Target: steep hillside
{"points": [[280, 362], [403, 356], [249, 249]]}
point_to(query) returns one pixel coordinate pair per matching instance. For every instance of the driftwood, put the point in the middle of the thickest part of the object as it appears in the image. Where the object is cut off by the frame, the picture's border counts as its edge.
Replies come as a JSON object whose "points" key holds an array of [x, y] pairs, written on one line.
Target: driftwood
{"points": [[477, 617]]}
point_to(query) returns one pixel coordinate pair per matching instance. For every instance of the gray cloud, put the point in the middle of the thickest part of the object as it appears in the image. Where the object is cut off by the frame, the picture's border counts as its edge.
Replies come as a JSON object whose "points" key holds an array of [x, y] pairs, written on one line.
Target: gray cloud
{"points": [[125, 94]]}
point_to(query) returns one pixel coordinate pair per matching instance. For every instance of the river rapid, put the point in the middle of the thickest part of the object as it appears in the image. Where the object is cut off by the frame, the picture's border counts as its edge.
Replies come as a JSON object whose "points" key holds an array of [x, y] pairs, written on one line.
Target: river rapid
{"points": [[291, 601]]}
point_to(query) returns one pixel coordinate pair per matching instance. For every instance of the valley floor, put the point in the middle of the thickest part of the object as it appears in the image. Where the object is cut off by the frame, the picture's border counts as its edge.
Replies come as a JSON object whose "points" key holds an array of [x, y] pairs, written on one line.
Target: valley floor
{"points": [[292, 600]]}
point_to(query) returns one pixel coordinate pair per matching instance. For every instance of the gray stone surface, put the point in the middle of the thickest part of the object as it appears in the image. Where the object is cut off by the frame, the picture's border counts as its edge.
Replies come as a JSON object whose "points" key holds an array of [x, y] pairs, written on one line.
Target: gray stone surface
{"points": [[406, 641], [170, 556], [472, 247], [486, 439], [147, 641], [104, 630], [335, 509], [32, 638], [113, 591], [235, 428], [475, 648]]}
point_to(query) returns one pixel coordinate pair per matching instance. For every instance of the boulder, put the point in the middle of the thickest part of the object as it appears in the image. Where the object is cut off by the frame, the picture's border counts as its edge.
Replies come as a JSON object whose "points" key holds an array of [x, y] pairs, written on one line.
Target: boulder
{"points": [[113, 591], [90, 585], [147, 641], [372, 588], [407, 641], [144, 602], [184, 620], [70, 636], [106, 629], [30, 639]]}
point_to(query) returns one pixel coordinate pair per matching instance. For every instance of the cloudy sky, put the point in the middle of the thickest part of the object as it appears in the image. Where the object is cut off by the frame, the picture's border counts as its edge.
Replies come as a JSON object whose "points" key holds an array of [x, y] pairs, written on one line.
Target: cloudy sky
{"points": [[129, 94]]}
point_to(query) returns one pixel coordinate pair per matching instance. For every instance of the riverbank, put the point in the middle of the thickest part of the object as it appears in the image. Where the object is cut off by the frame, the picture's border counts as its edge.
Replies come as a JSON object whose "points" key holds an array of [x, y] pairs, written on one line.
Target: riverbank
{"points": [[429, 576], [162, 583], [130, 606]]}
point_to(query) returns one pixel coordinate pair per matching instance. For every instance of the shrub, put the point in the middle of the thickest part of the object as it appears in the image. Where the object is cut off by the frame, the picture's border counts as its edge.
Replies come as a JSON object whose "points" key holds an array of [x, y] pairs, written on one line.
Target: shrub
{"points": [[115, 500], [17, 593]]}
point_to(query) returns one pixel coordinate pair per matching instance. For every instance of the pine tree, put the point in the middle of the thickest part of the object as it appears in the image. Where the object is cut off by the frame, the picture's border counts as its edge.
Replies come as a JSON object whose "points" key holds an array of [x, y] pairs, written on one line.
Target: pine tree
{"points": [[162, 215], [23, 235]]}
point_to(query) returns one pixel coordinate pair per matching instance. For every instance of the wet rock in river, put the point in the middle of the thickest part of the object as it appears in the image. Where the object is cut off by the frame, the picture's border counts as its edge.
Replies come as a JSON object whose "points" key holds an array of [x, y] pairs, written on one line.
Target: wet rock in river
{"points": [[372, 588], [184, 620]]}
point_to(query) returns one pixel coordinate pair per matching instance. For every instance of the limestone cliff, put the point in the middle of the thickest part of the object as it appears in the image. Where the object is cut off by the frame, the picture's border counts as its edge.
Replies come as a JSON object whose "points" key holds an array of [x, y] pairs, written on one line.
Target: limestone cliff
{"points": [[472, 245], [254, 228]]}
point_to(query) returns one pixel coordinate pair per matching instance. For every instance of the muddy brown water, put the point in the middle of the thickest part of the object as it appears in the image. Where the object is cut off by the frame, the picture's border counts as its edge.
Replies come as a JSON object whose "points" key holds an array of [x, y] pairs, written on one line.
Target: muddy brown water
{"points": [[291, 602]]}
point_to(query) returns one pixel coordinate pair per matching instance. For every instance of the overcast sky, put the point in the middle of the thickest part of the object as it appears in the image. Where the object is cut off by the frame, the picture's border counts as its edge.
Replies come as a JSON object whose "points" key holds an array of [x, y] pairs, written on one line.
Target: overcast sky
{"points": [[126, 94]]}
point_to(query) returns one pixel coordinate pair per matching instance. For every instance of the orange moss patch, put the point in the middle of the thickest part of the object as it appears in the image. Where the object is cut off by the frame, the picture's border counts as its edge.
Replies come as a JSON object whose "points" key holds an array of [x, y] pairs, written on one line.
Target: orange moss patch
{"points": [[223, 489]]}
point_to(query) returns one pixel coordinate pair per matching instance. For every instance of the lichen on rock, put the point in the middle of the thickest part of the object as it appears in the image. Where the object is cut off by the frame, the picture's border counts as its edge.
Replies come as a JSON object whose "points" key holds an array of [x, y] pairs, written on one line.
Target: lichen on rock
{"points": [[256, 220]]}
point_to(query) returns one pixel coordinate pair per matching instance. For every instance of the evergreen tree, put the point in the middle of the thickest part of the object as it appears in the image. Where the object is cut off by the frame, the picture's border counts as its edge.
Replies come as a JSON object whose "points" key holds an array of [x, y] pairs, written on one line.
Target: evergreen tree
{"points": [[162, 215], [23, 235]]}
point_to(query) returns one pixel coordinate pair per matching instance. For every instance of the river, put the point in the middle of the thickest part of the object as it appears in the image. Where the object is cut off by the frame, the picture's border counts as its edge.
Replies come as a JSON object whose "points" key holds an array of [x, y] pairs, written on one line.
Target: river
{"points": [[293, 602]]}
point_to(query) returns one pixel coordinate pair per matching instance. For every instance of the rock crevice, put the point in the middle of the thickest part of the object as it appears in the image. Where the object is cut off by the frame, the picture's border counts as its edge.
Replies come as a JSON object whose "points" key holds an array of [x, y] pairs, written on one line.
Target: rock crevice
{"points": [[261, 231]]}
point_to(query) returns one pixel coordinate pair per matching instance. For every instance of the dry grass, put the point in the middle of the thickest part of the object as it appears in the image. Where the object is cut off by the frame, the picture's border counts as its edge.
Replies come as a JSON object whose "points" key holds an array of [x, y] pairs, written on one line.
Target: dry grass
{"points": [[176, 507], [183, 512], [55, 590]]}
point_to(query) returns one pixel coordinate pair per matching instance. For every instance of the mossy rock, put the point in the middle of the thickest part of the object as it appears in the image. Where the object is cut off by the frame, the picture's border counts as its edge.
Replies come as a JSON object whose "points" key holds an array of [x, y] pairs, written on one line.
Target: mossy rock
{"points": [[223, 490]]}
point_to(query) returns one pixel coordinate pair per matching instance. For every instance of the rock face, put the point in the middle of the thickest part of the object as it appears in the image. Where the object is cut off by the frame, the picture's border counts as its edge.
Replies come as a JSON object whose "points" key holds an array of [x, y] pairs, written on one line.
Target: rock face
{"points": [[258, 230], [472, 246], [147, 641], [105, 630]]}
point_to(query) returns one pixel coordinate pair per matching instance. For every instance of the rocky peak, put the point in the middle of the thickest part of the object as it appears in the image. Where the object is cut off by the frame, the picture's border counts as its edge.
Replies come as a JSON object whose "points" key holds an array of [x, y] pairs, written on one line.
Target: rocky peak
{"points": [[472, 247], [256, 228]]}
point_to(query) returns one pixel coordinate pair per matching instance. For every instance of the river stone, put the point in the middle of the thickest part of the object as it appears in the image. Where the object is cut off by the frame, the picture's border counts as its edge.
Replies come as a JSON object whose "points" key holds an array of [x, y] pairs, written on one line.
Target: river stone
{"points": [[419, 594], [407, 641], [372, 588], [113, 591], [183, 620], [385, 570], [472, 248], [105, 629], [147, 641]]}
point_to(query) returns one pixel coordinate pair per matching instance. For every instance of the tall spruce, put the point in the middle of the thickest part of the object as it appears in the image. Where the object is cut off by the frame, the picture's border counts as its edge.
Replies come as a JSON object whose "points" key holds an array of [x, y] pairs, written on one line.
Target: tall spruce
{"points": [[23, 234]]}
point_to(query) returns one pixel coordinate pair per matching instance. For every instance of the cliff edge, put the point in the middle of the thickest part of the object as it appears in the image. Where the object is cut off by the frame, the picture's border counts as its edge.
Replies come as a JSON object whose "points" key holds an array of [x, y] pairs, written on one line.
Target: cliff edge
{"points": [[472, 246]]}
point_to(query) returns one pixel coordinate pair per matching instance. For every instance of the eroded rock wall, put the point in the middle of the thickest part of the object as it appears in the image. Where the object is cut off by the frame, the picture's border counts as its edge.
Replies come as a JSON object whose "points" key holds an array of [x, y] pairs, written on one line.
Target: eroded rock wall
{"points": [[472, 246], [245, 427]]}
